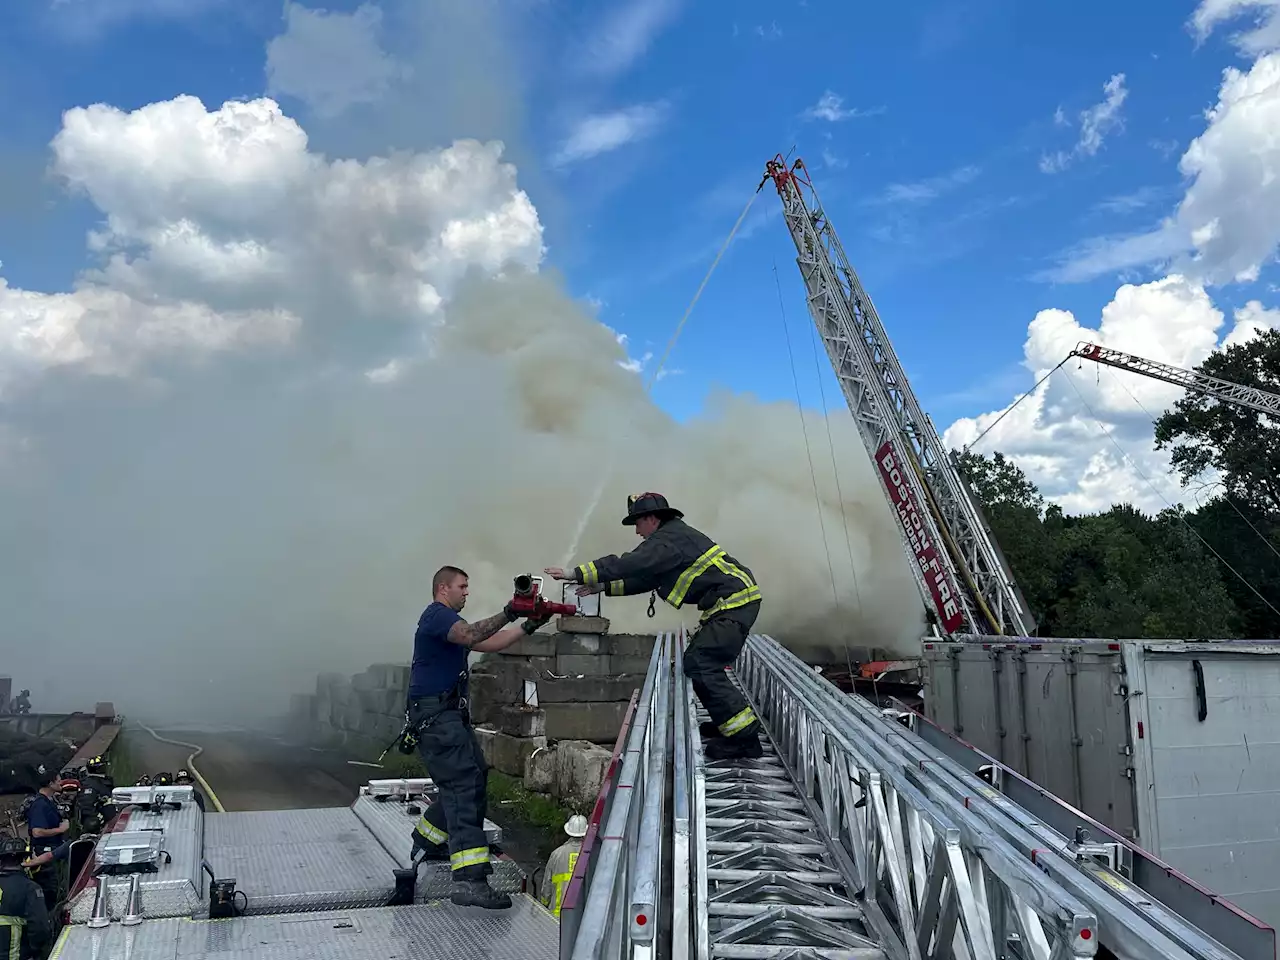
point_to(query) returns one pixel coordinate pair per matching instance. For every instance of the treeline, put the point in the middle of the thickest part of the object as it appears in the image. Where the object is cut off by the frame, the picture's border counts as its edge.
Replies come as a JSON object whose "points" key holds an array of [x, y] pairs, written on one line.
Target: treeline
{"points": [[1211, 572]]}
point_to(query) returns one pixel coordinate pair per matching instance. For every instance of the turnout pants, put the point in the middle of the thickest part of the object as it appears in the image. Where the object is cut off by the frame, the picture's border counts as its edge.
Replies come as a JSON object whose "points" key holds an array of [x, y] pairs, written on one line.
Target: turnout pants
{"points": [[453, 759], [714, 646], [46, 877]]}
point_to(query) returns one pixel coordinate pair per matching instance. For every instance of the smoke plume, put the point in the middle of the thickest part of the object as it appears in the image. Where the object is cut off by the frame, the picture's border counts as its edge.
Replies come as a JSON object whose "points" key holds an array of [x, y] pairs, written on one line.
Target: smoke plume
{"points": [[291, 387]]}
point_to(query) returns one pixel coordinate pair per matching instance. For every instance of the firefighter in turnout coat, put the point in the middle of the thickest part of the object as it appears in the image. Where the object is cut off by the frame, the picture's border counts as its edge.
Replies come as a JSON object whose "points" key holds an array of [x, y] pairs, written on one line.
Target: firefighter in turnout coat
{"points": [[683, 565]]}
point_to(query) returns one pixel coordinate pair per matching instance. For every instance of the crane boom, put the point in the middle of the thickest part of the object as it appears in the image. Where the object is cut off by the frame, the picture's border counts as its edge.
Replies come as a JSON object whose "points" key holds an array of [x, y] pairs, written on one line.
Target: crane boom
{"points": [[1212, 387], [956, 561]]}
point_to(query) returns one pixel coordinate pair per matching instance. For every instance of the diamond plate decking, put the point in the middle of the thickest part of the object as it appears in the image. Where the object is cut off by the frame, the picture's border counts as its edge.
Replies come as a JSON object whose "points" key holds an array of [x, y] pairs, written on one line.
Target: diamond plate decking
{"points": [[437, 932]]}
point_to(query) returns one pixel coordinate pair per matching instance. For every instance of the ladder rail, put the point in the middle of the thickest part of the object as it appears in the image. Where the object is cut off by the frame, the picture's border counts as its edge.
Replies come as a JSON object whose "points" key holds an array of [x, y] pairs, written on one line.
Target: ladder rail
{"points": [[1130, 924], [952, 888], [614, 881]]}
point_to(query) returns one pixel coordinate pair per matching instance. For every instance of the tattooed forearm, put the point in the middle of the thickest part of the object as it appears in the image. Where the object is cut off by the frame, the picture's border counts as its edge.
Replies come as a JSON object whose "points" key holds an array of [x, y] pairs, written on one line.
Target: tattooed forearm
{"points": [[469, 634]]}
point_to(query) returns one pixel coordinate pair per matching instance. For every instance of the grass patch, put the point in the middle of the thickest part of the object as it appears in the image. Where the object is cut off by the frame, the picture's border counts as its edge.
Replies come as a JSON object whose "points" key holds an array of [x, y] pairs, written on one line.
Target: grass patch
{"points": [[535, 809], [397, 764], [121, 765]]}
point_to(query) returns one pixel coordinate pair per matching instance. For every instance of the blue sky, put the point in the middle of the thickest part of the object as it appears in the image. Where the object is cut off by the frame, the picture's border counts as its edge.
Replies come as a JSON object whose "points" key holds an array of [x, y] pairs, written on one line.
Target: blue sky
{"points": [[926, 126]]}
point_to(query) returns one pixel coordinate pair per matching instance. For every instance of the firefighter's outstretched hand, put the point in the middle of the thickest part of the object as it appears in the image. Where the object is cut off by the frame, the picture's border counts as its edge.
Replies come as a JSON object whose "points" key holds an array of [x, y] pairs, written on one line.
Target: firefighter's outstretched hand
{"points": [[558, 573], [587, 590]]}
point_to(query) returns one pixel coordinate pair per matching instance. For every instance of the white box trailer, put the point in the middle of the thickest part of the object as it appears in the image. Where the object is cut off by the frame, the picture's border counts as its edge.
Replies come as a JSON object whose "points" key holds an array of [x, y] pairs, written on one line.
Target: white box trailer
{"points": [[1173, 745]]}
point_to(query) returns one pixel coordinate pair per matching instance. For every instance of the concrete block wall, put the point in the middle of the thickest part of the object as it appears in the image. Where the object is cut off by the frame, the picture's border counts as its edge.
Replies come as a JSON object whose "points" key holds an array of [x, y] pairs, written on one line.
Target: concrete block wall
{"points": [[364, 711], [561, 746]]}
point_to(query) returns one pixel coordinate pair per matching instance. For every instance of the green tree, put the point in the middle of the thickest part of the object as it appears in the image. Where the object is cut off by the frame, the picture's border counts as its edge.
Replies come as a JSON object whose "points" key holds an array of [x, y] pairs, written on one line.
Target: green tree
{"points": [[998, 480], [1243, 446], [1124, 574], [1012, 506], [1119, 573], [1246, 540]]}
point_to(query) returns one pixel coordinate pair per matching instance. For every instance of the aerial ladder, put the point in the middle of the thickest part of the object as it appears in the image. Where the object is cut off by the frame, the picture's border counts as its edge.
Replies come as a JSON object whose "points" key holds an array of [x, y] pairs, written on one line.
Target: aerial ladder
{"points": [[963, 578], [855, 837], [1212, 387]]}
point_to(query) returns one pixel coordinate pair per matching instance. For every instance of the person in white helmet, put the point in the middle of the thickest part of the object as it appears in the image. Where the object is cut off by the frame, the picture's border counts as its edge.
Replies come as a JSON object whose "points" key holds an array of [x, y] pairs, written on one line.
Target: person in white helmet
{"points": [[555, 879]]}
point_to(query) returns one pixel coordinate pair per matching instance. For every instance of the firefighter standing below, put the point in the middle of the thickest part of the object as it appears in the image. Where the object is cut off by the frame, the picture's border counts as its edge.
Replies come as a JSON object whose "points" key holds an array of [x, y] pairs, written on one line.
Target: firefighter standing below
{"points": [[24, 919], [47, 829], [683, 565], [559, 870], [452, 827]]}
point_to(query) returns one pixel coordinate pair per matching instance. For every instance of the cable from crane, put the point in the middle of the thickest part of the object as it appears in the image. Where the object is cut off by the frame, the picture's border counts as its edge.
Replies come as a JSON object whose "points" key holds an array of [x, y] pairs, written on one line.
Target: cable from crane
{"points": [[191, 765], [813, 473], [1156, 491], [831, 444], [1009, 409], [1225, 496], [607, 473]]}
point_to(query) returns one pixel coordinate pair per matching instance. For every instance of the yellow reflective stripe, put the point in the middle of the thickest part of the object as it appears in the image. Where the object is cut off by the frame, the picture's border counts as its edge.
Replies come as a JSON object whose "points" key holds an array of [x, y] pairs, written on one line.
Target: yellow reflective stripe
{"points": [[15, 925], [431, 831], [738, 722], [691, 573], [589, 575], [469, 858], [561, 881], [735, 571], [734, 600], [616, 588]]}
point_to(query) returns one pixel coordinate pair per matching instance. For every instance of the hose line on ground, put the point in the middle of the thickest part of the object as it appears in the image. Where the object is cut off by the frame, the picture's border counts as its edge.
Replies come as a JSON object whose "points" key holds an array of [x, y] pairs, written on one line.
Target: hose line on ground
{"points": [[196, 750]]}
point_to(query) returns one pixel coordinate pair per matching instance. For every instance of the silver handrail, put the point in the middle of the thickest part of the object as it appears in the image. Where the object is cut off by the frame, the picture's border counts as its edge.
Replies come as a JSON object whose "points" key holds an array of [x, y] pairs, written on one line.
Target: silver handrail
{"points": [[645, 917], [625, 875]]}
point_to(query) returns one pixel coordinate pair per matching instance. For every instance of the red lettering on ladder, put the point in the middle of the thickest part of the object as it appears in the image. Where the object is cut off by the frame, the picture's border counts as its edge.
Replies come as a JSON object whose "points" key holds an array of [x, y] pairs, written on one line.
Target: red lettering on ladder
{"points": [[936, 575]]}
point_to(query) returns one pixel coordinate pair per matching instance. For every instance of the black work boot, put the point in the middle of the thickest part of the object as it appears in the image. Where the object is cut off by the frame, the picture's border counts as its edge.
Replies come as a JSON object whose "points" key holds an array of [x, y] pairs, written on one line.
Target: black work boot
{"points": [[741, 746], [478, 893], [428, 850], [709, 729]]}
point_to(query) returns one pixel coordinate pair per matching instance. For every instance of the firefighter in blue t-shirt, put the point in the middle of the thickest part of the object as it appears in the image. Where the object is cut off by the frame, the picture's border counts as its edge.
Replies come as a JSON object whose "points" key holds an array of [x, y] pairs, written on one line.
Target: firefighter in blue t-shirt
{"points": [[453, 826]]}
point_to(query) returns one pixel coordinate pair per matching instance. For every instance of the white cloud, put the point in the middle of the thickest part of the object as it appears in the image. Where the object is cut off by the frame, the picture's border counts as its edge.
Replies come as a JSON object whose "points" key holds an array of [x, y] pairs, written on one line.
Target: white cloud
{"points": [[86, 17], [831, 161], [1263, 38], [1095, 124], [1227, 225], [330, 61], [624, 35], [1056, 434], [830, 107], [221, 230], [924, 191], [605, 132]]}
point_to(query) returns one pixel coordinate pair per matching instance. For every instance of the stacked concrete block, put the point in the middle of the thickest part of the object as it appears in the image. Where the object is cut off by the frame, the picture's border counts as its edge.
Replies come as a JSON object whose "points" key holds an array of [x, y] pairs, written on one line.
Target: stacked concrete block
{"points": [[362, 712], [584, 682], [558, 742]]}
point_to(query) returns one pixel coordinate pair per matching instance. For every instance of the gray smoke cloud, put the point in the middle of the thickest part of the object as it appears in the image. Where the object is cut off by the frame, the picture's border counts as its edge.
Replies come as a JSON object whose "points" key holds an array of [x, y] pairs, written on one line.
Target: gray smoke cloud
{"points": [[199, 551], [291, 387]]}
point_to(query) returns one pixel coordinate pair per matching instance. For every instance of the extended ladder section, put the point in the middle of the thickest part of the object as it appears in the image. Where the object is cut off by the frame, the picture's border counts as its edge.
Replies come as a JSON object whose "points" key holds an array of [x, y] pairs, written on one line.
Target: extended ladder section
{"points": [[851, 838], [1264, 401], [957, 563]]}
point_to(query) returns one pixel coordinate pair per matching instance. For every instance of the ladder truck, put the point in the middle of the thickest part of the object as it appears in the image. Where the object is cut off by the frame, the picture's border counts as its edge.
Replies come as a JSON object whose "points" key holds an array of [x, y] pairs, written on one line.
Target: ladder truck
{"points": [[964, 580]]}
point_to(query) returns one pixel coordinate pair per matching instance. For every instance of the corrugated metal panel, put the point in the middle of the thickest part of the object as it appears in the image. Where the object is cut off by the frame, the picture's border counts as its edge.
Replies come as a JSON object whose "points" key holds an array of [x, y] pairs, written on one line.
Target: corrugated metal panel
{"points": [[1054, 712], [1215, 783]]}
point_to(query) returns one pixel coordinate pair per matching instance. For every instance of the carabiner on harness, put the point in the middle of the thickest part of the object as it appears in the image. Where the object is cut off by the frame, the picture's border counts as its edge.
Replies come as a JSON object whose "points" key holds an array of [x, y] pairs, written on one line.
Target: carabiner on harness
{"points": [[653, 599]]}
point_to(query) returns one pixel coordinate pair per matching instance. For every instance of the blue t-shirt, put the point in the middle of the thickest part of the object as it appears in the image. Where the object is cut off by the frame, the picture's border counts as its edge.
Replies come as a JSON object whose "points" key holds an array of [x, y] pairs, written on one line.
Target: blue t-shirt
{"points": [[43, 813], [436, 662]]}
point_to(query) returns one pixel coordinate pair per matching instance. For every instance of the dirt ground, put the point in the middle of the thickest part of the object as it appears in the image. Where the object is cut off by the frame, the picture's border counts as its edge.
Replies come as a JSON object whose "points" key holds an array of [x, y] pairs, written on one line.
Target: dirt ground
{"points": [[258, 772]]}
